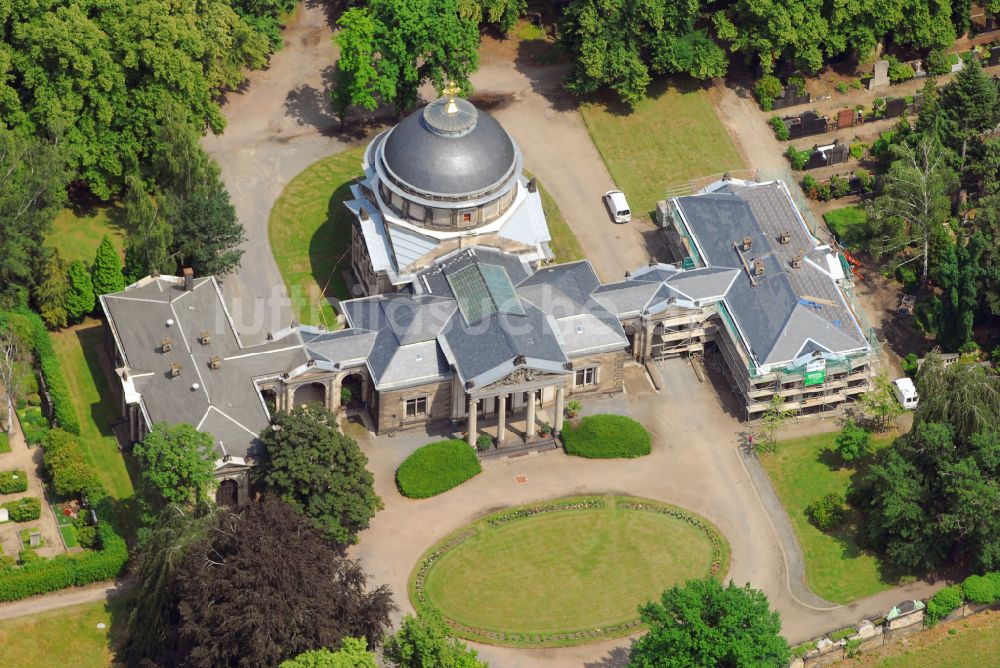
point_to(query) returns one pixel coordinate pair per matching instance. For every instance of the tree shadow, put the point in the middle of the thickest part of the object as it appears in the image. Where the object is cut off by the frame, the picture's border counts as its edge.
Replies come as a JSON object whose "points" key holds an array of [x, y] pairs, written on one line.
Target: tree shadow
{"points": [[119, 605], [546, 68], [330, 245], [616, 658], [311, 106]]}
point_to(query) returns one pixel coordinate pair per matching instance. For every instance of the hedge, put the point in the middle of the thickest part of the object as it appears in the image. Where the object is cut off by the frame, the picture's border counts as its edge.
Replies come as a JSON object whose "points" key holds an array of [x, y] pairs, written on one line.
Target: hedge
{"points": [[982, 589], [943, 603], [12, 482], [67, 466], [436, 468], [27, 509], [4, 442], [66, 570], [606, 437], [45, 356]]}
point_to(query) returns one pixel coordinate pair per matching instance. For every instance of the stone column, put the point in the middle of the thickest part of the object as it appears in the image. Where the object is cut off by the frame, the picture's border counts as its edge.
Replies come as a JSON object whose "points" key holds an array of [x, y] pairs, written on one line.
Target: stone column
{"points": [[531, 414], [289, 398], [560, 396], [332, 396], [502, 422], [473, 409]]}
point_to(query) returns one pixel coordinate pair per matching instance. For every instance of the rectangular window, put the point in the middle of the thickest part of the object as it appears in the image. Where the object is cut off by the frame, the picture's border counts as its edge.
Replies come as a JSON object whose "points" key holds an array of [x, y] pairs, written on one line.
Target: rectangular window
{"points": [[416, 407], [585, 377]]}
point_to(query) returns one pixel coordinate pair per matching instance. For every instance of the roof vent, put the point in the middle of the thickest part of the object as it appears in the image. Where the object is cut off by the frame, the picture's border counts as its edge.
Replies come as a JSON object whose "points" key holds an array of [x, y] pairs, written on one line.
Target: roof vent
{"points": [[747, 244], [532, 185], [797, 261], [215, 362], [579, 329], [363, 213], [175, 369], [758, 267], [205, 338], [170, 322], [420, 356], [785, 238], [195, 387], [188, 279], [165, 345]]}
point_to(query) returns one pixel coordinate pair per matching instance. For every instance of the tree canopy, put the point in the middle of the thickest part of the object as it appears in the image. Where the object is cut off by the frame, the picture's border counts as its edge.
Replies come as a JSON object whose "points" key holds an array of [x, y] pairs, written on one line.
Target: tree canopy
{"points": [[254, 587], [426, 640], [703, 624], [933, 496], [352, 654], [177, 464], [319, 471], [106, 272]]}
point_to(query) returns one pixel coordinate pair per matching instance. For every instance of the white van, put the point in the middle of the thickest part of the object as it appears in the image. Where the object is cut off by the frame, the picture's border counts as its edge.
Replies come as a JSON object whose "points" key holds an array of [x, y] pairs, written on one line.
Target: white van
{"points": [[617, 206], [906, 392]]}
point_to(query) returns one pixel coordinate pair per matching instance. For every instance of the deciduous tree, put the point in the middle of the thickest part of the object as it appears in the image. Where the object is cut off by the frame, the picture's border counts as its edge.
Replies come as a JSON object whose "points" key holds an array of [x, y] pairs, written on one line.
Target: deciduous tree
{"points": [[149, 234], [880, 403], [319, 471], [853, 442], [426, 640], [703, 624], [177, 463], [353, 653]]}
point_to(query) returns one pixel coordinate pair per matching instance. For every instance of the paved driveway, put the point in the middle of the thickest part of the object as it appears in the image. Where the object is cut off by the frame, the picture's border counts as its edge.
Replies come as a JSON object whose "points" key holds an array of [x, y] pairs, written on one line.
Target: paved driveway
{"points": [[695, 463]]}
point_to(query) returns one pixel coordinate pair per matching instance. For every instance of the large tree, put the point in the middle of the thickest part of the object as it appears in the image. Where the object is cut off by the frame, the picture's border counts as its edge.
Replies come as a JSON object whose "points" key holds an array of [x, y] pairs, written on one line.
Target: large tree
{"points": [[933, 497], [52, 292], [149, 234], [389, 48], [33, 177], [703, 624], [262, 586], [426, 640], [80, 299], [320, 471], [970, 105], [620, 44], [914, 203], [106, 272], [353, 653], [177, 464]]}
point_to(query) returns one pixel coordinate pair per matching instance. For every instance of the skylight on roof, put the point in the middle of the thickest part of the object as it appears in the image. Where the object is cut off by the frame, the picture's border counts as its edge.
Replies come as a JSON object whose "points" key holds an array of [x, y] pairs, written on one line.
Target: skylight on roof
{"points": [[482, 290]]}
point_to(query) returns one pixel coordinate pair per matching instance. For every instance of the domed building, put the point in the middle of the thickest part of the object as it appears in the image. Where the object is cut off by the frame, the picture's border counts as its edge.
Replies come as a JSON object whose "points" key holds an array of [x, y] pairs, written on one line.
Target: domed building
{"points": [[445, 177]]}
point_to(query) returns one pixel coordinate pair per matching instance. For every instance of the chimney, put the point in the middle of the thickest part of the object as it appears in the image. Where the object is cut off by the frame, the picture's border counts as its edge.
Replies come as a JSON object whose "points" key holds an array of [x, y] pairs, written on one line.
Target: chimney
{"points": [[747, 244], [215, 362], [205, 338], [785, 238], [797, 261], [758, 267], [175, 369], [188, 279], [165, 345], [532, 185]]}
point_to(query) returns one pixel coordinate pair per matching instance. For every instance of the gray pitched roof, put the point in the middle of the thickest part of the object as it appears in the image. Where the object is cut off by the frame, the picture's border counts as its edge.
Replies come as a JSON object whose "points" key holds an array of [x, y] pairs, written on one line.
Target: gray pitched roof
{"points": [[768, 309], [226, 402]]}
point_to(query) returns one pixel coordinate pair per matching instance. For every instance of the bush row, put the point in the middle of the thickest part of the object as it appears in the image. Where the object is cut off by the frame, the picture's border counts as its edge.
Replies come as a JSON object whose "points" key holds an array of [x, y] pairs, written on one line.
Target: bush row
{"points": [[45, 357], [531, 511], [977, 589], [606, 437], [436, 468], [4, 442], [838, 186], [66, 570], [12, 482], [67, 466], [34, 425], [27, 509]]}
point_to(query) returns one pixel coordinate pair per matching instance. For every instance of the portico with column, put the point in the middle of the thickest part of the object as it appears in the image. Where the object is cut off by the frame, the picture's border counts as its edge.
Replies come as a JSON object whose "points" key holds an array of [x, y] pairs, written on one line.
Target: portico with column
{"points": [[514, 398]]}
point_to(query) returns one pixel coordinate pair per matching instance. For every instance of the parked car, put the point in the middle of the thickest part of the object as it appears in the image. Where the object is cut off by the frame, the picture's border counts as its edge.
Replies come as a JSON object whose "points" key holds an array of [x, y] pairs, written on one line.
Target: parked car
{"points": [[906, 392], [614, 200]]}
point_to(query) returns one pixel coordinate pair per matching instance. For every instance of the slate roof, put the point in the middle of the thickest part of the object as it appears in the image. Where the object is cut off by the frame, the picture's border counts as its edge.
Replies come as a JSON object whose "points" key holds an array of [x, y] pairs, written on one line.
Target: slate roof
{"points": [[786, 310], [431, 161], [226, 403]]}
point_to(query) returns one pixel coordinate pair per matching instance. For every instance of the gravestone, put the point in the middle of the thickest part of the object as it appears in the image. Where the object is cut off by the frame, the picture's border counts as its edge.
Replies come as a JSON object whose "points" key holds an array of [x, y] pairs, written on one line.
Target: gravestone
{"points": [[34, 539], [994, 55], [4, 515], [918, 68], [866, 629], [845, 118], [812, 123], [895, 107], [880, 78], [957, 67]]}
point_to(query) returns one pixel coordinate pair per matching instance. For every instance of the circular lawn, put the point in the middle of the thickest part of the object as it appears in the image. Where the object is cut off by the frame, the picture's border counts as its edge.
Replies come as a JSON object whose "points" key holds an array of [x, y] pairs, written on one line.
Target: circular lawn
{"points": [[564, 572]]}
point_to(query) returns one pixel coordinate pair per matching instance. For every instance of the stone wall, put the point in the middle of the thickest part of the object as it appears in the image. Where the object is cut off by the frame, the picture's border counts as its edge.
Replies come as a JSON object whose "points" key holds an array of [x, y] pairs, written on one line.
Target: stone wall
{"points": [[610, 374], [390, 411]]}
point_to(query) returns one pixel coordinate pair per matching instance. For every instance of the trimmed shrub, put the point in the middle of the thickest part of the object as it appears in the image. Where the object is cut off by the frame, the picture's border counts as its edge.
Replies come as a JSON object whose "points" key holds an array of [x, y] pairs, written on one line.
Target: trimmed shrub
{"points": [[780, 131], [34, 425], [67, 466], [39, 576], [937, 62], [4, 442], [943, 603], [767, 89], [858, 150], [826, 513], [842, 87], [436, 468], [12, 482], [981, 589], [606, 437], [484, 442], [86, 535], [839, 186], [900, 72], [27, 509], [797, 158]]}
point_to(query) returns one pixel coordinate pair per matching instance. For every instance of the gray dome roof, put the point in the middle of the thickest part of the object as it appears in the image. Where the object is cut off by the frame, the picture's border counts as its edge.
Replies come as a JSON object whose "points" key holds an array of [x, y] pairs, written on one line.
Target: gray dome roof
{"points": [[464, 152]]}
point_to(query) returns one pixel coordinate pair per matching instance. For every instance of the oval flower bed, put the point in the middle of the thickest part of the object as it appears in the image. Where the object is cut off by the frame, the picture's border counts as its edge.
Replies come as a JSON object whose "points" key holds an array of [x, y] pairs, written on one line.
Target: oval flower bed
{"points": [[564, 572], [606, 436], [436, 468]]}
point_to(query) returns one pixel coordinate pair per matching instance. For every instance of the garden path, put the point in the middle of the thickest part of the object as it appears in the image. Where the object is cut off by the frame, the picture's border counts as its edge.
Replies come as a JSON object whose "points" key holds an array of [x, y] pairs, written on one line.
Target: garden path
{"points": [[23, 458]]}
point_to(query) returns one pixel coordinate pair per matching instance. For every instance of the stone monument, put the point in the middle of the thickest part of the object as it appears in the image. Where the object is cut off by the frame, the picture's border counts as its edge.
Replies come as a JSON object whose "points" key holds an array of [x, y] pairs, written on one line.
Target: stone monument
{"points": [[4, 515], [34, 538], [880, 78]]}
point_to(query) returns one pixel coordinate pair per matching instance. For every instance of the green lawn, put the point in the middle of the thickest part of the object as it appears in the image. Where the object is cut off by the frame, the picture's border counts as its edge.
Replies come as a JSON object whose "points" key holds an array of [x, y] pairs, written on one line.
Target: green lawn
{"points": [[77, 349], [802, 471], [76, 234], [66, 637], [972, 643], [564, 571], [849, 225], [310, 233], [564, 244], [671, 137]]}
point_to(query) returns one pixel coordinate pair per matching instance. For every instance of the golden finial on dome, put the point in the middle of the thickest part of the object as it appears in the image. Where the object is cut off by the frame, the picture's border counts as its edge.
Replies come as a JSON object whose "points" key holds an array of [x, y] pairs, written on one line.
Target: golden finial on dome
{"points": [[451, 90]]}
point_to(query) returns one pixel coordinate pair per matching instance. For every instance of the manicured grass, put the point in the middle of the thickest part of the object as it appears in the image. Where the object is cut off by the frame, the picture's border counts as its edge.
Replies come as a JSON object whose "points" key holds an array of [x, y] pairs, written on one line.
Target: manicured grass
{"points": [[802, 471], [849, 225], [25, 535], [564, 244], [66, 637], [77, 234], [570, 570], [4, 442], [310, 233], [77, 349], [606, 437], [671, 137], [68, 532], [437, 467]]}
